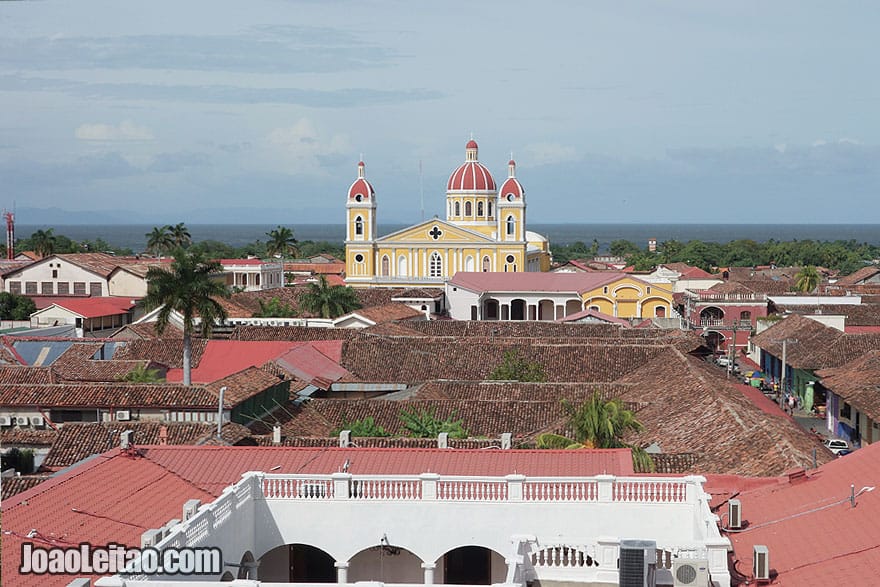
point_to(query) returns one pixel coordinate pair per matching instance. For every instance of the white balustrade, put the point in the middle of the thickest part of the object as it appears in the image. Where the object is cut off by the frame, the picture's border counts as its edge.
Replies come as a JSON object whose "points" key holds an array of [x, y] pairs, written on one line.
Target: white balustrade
{"points": [[649, 490], [400, 488], [556, 489], [472, 489]]}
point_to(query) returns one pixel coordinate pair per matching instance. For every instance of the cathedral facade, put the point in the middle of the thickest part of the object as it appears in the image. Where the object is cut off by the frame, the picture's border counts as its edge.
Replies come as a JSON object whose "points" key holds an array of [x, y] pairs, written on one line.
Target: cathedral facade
{"points": [[484, 230]]}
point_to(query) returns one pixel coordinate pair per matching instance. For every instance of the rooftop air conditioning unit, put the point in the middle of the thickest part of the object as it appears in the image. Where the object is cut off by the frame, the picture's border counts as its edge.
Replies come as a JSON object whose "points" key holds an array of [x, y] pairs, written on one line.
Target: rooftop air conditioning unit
{"points": [[5, 421], [19, 421], [688, 572], [37, 421], [761, 563], [638, 563], [123, 415], [734, 514]]}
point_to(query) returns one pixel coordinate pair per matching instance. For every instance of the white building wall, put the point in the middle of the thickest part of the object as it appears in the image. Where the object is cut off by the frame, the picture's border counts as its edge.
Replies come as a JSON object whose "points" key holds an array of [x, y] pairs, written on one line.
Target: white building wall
{"points": [[123, 283], [55, 270]]}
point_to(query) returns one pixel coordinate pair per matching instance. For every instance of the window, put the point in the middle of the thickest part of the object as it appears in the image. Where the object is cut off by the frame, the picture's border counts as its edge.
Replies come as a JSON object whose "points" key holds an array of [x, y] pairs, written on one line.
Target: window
{"points": [[473, 312], [257, 279], [457, 209], [401, 266], [660, 312], [648, 289], [30, 287], [468, 209], [846, 411], [358, 198], [435, 265], [511, 226], [489, 213], [63, 288], [595, 308], [745, 315], [95, 289], [47, 288], [605, 290], [479, 208], [79, 288], [359, 226], [510, 259], [486, 264], [15, 287], [386, 266], [54, 274], [510, 197], [469, 263]]}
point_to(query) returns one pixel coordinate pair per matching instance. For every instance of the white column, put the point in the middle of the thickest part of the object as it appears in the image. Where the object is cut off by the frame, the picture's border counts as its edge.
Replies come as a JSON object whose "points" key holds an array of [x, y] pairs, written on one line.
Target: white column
{"points": [[429, 572], [341, 572]]}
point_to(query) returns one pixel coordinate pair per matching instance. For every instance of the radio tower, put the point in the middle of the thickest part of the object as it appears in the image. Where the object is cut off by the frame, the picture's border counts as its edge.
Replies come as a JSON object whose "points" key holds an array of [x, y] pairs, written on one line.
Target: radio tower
{"points": [[10, 234]]}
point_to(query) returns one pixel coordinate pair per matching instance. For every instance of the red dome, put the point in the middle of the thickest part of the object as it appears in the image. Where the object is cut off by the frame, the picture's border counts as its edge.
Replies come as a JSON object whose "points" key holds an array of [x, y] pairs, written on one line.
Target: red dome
{"points": [[361, 187], [471, 176], [511, 186]]}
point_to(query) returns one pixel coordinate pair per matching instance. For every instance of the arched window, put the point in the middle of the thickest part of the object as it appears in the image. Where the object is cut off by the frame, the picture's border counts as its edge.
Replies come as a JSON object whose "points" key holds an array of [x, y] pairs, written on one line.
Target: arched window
{"points": [[435, 265], [457, 209], [401, 266], [511, 226], [359, 226], [479, 208], [487, 265], [468, 209], [469, 263], [386, 266], [745, 316], [489, 214]]}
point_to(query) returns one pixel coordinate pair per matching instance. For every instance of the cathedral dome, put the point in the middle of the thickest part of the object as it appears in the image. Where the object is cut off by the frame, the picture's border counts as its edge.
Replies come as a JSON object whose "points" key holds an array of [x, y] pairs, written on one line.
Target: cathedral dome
{"points": [[471, 176], [361, 189], [511, 189]]}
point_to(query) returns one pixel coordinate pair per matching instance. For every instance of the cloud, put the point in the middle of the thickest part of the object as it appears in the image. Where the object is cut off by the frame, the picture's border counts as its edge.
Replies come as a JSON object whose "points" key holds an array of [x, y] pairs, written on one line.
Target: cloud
{"points": [[548, 154], [217, 94], [301, 148], [125, 131], [173, 162]]}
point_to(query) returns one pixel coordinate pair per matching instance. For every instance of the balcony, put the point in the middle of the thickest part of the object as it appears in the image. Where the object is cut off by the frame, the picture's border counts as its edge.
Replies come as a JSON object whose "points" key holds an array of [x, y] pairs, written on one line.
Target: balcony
{"points": [[721, 324], [401, 529]]}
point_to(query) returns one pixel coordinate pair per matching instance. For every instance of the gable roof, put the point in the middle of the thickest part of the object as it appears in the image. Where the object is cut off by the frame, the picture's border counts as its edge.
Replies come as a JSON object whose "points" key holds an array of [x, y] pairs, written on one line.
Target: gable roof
{"points": [[93, 307], [686, 271], [859, 276], [813, 338], [857, 382], [600, 316], [447, 226]]}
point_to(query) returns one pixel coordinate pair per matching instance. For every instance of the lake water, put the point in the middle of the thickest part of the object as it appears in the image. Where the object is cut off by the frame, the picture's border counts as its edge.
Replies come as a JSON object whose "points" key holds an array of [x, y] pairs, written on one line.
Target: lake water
{"points": [[134, 236]]}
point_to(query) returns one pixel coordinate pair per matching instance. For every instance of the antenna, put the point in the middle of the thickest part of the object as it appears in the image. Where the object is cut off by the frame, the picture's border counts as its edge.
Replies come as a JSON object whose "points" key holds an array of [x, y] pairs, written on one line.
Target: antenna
{"points": [[422, 190]]}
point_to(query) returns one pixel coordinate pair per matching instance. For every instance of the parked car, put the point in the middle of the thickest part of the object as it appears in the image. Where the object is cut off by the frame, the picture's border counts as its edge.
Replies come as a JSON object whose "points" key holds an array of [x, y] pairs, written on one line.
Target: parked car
{"points": [[836, 445], [723, 361]]}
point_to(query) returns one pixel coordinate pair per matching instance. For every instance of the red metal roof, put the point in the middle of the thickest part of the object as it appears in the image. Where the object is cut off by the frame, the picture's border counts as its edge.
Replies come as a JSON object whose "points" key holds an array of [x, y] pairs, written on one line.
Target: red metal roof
{"points": [[814, 534], [89, 307], [222, 358], [315, 361]]}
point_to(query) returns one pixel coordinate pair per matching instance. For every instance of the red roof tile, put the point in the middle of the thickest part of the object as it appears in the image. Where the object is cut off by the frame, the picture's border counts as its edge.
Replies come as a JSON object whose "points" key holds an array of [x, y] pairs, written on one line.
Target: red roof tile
{"points": [[222, 358]]}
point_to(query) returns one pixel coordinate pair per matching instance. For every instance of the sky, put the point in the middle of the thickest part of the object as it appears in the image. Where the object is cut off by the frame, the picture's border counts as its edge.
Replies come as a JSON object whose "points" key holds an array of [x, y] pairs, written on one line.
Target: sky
{"points": [[615, 111]]}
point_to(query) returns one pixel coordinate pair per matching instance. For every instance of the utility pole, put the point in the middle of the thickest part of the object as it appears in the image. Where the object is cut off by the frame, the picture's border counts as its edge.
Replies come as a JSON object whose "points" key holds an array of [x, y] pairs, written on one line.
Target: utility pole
{"points": [[731, 347], [783, 378]]}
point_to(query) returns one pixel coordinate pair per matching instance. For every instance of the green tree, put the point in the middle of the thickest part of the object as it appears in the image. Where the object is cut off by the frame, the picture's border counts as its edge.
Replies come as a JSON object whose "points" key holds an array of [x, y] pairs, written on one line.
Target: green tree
{"points": [[275, 308], [328, 301], [622, 248], [22, 460], [365, 428], [599, 423], [189, 288], [16, 307], [180, 235], [807, 279], [43, 242], [281, 241], [141, 374], [159, 240], [425, 424], [513, 367]]}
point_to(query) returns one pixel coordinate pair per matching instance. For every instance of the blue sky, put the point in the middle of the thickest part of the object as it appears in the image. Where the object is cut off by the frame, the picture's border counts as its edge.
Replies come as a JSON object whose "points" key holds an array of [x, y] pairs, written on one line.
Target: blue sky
{"points": [[679, 111]]}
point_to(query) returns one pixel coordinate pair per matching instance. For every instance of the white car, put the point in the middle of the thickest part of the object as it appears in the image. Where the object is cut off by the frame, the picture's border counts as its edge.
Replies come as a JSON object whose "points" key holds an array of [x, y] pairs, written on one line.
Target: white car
{"points": [[723, 361], [836, 445]]}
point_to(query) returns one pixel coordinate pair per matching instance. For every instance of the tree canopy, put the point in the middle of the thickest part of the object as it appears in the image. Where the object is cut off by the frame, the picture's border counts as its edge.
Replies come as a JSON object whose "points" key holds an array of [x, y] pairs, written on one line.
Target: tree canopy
{"points": [[513, 367], [328, 301], [15, 306]]}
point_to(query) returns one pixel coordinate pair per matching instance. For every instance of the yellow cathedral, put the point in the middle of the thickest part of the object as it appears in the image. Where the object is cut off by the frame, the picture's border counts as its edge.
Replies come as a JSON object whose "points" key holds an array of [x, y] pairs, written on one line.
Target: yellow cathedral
{"points": [[484, 230]]}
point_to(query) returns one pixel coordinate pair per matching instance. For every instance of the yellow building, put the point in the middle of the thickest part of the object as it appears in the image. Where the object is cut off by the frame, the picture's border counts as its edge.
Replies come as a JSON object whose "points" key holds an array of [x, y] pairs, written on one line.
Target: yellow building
{"points": [[484, 230]]}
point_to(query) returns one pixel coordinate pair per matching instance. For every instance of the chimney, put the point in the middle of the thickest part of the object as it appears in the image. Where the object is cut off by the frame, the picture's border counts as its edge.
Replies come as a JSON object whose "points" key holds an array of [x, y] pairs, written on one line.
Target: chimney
{"points": [[506, 442], [276, 435], [163, 435], [443, 440], [125, 439], [345, 439]]}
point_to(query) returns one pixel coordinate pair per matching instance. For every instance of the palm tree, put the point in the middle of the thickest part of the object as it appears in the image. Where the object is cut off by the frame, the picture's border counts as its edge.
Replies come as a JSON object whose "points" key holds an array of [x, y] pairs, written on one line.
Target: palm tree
{"points": [[807, 279], [600, 423], [43, 242], [281, 241], [180, 235], [328, 301], [159, 240], [189, 288]]}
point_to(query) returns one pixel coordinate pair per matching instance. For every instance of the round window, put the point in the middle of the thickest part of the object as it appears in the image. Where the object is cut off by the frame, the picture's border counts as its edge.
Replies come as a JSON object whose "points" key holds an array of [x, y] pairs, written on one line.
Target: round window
{"points": [[510, 259], [359, 258], [509, 197], [358, 198]]}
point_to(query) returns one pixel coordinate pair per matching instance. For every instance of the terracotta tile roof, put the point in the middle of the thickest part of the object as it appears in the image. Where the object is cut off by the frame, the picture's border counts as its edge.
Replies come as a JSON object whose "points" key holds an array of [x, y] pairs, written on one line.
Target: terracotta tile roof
{"points": [[420, 293], [700, 412], [76, 364], [112, 499], [856, 314], [140, 269], [414, 360], [293, 333], [15, 485], [812, 338], [515, 329], [315, 268], [378, 296], [389, 313], [848, 348], [244, 384], [591, 313], [859, 276], [858, 382], [98, 263], [78, 441], [688, 272], [838, 546], [499, 391], [167, 351], [145, 331], [385, 442], [27, 437], [20, 375]]}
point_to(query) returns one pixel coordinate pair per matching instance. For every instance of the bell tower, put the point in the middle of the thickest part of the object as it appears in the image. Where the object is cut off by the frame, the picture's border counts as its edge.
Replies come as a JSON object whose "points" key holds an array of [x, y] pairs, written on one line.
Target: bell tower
{"points": [[360, 231]]}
